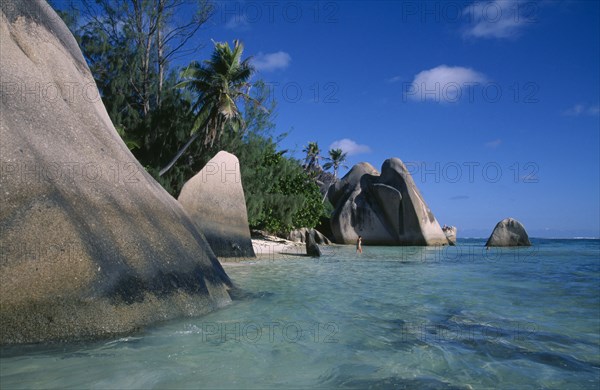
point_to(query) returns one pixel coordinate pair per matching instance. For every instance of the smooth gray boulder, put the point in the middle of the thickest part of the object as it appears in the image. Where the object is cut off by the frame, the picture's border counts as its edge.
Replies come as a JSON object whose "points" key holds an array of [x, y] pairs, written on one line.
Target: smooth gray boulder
{"points": [[342, 189], [385, 209], [312, 249], [354, 213], [214, 199], [509, 232], [298, 235], [90, 245]]}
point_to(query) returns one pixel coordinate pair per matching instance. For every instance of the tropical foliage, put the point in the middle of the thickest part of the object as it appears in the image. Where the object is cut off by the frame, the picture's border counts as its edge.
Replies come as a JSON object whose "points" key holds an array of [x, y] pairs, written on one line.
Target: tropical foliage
{"points": [[217, 85], [335, 160], [280, 195], [179, 118], [313, 154]]}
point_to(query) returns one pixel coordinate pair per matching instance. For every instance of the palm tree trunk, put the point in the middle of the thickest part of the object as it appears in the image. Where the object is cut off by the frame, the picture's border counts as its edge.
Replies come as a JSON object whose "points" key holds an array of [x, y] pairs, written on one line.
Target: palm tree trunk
{"points": [[159, 48], [326, 193], [330, 183], [179, 153]]}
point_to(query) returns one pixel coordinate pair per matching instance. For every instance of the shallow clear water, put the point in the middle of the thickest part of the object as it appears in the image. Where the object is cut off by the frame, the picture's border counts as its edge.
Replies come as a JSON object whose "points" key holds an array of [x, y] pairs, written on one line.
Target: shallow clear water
{"points": [[393, 317]]}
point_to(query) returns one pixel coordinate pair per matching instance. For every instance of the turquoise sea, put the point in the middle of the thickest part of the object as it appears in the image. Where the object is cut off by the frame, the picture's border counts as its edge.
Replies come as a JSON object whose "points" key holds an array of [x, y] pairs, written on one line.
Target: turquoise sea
{"points": [[393, 317]]}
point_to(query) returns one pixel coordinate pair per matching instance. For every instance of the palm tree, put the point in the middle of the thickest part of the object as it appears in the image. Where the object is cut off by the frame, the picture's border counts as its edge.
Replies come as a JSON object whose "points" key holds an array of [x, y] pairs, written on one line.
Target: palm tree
{"points": [[312, 156], [335, 160], [219, 83]]}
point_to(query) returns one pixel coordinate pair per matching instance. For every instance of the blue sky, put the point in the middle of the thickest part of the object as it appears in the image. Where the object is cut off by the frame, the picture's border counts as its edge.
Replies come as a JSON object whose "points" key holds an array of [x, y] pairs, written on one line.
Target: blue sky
{"points": [[383, 80], [493, 105], [521, 140]]}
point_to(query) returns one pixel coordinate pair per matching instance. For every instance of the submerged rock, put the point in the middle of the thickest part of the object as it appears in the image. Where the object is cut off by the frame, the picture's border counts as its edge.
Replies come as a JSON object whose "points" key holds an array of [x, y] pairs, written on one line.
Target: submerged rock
{"points": [[91, 245], [312, 249], [509, 232], [214, 199], [385, 209]]}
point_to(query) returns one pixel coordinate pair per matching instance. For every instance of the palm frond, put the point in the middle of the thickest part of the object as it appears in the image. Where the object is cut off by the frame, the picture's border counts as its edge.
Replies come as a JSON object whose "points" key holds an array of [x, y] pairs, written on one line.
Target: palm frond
{"points": [[218, 83]]}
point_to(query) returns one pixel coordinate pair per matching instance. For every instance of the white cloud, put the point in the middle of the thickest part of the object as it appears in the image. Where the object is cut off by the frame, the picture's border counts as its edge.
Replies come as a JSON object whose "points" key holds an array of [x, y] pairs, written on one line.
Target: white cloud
{"points": [[238, 22], [493, 144], [394, 79], [444, 83], [582, 109], [271, 61], [349, 146], [499, 18]]}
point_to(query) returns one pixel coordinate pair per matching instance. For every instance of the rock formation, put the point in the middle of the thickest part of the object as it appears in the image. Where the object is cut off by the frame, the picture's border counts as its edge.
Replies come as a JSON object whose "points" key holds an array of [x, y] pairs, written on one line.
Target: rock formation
{"points": [[91, 245], [312, 249], [214, 199], [450, 232], [385, 209], [509, 232], [299, 235], [324, 180]]}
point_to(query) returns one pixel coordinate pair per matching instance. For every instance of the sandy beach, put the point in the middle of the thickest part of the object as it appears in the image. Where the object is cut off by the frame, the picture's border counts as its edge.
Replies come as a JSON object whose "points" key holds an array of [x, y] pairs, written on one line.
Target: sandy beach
{"points": [[268, 247]]}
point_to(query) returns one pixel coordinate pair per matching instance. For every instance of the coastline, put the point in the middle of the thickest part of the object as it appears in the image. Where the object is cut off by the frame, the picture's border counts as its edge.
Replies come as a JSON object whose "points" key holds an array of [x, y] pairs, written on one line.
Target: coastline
{"points": [[267, 247]]}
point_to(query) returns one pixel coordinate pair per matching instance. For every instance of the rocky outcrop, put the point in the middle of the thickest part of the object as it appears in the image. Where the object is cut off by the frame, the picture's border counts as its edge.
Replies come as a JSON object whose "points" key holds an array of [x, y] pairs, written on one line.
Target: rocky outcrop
{"points": [[324, 180], [312, 249], [324, 227], [298, 235], [385, 209], [214, 199], [509, 232], [450, 232], [91, 245]]}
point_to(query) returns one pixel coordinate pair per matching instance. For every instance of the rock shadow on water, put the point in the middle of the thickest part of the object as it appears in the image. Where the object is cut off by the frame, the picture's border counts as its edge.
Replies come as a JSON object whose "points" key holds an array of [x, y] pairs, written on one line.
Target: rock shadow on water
{"points": [[240, 294], [395, 382], [496, 339], [362, 376], [387, 335], [504, 351]]}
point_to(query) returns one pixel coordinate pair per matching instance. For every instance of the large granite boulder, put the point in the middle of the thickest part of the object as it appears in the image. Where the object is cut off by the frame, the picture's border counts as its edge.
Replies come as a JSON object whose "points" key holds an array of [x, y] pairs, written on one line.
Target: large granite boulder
{"points": [[385, 209], [509, 232], [214, 199], [324, 227], [299, 235], [90, 244]]}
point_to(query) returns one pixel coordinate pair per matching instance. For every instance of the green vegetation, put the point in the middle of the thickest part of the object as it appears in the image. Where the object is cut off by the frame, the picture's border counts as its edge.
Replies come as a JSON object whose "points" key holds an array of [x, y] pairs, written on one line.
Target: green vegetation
{"points": [[311, 162], [160, 109], [280, 195], [217, 85]]}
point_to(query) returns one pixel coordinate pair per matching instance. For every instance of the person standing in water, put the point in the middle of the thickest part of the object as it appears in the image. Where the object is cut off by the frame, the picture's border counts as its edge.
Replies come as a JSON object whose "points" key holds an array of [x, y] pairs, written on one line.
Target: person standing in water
{"points": [[359, 244]]}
